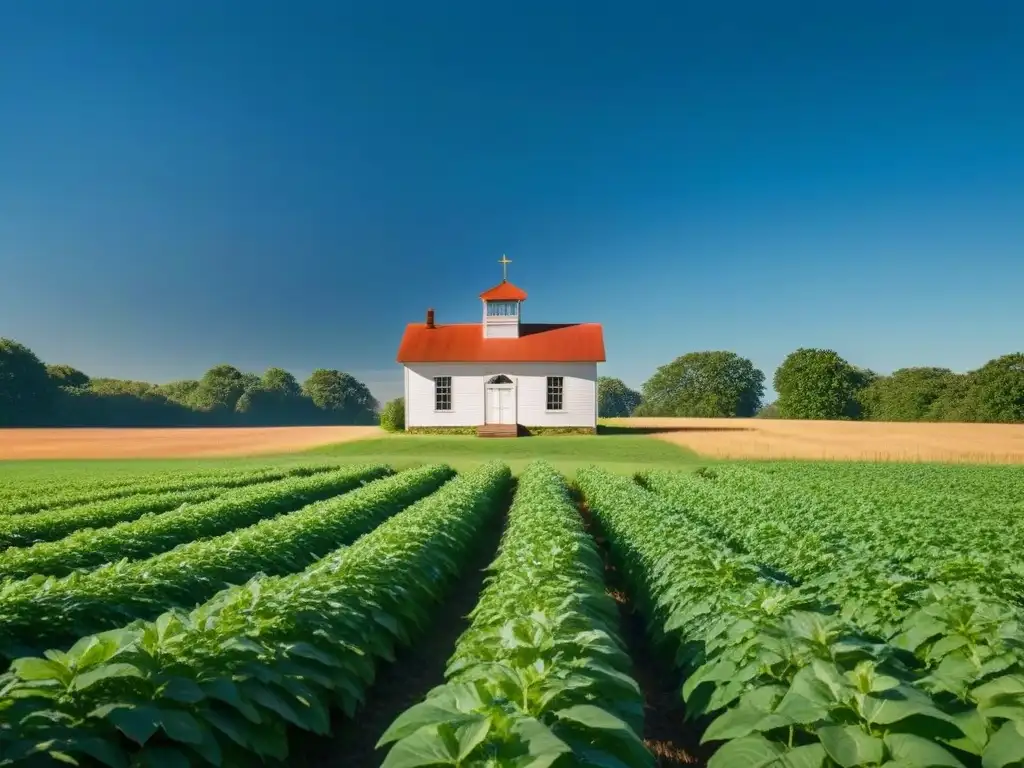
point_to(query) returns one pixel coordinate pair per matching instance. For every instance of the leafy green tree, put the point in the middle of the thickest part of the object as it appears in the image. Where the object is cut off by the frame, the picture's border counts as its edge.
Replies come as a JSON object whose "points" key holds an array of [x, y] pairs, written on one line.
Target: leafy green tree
{"points": [[704, 384], [280, 381], [219, 389], [26, 390], [251, 381], [908, 394], [342, 397], [258, 406], [818, 384], [998, 390], [275, 399], [180, 391], [862, 379], [67, 376], [958, 401], [392, 416], [614, 398], [107, 386], [770, 411]]}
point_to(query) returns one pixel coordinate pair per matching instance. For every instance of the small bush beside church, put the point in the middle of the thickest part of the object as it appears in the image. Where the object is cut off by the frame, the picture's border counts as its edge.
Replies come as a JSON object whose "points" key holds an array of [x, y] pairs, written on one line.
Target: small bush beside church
{"points": [[392, 417]]}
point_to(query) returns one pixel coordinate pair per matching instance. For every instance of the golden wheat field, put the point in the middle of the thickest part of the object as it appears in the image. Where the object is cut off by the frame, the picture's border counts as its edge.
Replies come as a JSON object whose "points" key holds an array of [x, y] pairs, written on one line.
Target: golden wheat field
{"points": [[855, 440], [185, 442]]}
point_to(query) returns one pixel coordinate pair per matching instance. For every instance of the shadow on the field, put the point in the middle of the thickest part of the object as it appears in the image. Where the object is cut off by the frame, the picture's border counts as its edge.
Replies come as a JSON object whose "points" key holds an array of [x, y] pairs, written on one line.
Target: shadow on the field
{"points": [[607, 429]]}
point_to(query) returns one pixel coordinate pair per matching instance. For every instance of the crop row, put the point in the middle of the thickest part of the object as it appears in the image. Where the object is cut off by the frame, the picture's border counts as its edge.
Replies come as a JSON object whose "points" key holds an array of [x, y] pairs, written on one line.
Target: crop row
{"points": [[971, 484], [965, 641], [541, 671], [848, 548], [49, 499], [955, 645], [49, 524], [786, 679], [221, 684], [36, 614], [146, 536]]}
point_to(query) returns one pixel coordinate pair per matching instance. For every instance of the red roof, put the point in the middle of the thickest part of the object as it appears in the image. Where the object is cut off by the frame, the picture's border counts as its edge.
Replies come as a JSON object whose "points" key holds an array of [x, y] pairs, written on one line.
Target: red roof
{"points": [[504, 291], [537, 343]]}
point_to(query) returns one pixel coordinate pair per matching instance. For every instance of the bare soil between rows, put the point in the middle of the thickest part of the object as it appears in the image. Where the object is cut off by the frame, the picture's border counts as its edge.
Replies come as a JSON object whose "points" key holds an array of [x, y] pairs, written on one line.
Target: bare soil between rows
{"points": [[415, 671], [161, 443], [667, 735]]}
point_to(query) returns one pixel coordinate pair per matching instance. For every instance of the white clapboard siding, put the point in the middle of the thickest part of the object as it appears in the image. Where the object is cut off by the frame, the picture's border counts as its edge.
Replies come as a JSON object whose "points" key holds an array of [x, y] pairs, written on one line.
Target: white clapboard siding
{"points": [[579, 396], [506, 330]]}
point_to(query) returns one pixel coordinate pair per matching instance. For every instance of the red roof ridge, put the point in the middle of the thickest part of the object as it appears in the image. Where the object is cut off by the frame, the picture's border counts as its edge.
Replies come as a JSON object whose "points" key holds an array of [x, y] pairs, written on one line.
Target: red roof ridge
{"points": [[504, 291], [538, 342]]}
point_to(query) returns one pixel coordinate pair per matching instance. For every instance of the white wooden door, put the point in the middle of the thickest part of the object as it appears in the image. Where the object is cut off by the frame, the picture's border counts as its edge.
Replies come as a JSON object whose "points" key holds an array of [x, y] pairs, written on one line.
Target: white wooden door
{"points": [[500, 406]]}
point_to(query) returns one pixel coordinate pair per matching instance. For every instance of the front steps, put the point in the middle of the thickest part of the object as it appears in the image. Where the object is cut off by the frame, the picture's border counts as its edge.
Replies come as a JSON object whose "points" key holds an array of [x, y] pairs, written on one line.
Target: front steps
{"points": [[497, 430]]}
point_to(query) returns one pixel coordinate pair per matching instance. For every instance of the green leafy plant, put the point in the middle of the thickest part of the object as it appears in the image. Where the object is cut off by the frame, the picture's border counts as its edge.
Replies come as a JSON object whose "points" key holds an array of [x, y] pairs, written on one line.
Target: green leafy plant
{"points": [[92, 547], [27, 497], [46, 612], [776, 671], [392, 416], [50, 524], [541, 671], [222, 684]]}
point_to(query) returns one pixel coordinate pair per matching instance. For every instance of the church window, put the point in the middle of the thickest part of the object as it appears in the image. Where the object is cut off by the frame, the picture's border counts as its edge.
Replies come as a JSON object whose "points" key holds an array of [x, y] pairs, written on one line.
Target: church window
{"points": [[554, 393], [442, 393], [502, 308]]}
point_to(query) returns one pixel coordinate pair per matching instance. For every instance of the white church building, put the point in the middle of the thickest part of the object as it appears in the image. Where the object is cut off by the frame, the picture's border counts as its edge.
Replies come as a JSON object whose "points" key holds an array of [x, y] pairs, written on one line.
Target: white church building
{"points": [[501, 376]]}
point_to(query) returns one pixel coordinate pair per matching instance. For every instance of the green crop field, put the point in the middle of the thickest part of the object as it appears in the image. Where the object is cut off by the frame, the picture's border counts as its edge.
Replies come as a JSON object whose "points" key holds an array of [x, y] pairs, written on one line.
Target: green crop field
{"points": [[608, 604]]}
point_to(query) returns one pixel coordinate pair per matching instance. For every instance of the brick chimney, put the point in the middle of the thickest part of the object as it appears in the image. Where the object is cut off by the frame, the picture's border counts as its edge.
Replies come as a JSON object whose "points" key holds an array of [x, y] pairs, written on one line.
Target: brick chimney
{"points": [[430, 318]]}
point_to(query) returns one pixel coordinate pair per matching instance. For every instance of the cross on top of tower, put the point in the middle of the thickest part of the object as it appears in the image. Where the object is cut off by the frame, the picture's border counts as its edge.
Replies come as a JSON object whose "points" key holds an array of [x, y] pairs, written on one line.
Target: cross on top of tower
{"points": [[504, 261]]}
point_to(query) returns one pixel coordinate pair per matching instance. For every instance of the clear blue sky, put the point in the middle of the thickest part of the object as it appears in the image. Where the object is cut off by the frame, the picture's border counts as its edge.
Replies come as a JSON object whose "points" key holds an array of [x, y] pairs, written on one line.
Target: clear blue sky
{"points": [[267, 183]]}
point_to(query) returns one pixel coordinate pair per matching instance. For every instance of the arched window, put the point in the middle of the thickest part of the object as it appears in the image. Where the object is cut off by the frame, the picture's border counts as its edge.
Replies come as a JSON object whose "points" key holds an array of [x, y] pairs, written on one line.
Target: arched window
{"points": [[501, 378]]}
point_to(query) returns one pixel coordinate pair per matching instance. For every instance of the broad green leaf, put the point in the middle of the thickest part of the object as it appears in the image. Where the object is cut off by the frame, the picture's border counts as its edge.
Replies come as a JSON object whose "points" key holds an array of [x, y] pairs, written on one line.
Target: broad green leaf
{"points": [[750, 752], [470, 735], [911, 750], [543, 748], [137, 723], [228, 692], [850, 746], [885, 711], [737, 722], [422, 715], [595, 718], [1006, 685], [804, 756], [109, 754], [972, 723], [104, 672], [181, 726], [1006, 747], [231, 726], [269, 699], [184, 690], [36, 669], [425, 747]]}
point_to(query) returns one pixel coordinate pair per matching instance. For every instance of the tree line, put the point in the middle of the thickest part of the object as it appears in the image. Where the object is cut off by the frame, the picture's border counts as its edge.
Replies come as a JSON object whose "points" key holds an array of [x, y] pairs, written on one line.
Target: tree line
{"points": [[820, 384], [35, 394]]}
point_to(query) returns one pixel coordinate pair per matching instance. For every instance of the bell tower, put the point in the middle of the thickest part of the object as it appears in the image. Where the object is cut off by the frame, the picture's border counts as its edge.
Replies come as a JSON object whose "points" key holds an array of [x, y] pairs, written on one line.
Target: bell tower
{"points": [[502, 305]]}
